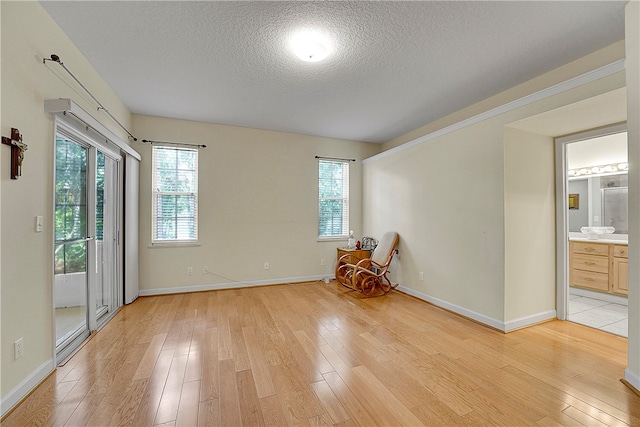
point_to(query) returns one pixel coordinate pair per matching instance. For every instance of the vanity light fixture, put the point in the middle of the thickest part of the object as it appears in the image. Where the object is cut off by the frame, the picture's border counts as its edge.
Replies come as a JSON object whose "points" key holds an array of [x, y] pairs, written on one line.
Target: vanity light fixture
{"points": [[599, 170], [310, 46]]}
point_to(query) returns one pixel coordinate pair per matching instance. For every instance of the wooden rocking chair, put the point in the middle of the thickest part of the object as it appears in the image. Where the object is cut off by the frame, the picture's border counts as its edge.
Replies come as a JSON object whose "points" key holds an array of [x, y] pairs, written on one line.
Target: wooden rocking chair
{"points": [[369, 276]]}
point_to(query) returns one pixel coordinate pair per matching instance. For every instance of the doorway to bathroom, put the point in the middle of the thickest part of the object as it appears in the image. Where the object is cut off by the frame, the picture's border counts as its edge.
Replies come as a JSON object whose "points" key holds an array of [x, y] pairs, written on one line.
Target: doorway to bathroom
{"points": [[594, 227]]}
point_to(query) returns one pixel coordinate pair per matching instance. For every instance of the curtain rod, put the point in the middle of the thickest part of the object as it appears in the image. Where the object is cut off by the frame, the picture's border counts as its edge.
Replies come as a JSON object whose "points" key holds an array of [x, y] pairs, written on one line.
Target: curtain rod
{"points": [[56, 58], [186, 144], [335, 158]]}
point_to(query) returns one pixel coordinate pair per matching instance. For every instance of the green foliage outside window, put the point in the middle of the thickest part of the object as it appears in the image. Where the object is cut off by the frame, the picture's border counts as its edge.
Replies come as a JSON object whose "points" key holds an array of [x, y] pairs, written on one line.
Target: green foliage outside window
{"points": [[99, 196], [70, 206]]}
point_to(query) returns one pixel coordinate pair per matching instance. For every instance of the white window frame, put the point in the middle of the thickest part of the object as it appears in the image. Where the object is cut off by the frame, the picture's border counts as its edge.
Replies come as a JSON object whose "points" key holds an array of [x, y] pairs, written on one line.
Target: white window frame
{"points": [[345, 200], [155, 192]]}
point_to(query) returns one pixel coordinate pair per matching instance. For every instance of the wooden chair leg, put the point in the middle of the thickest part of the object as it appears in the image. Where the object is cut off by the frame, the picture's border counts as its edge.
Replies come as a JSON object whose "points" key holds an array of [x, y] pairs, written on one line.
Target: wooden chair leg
{"points": [[344, 276], [368, 285], [388, 284], [385, 286]]}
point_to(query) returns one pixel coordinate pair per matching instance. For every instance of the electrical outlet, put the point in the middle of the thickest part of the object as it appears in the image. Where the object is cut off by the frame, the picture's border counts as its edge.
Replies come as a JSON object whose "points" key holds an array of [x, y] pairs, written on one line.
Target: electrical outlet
{"points": [[18, 349], [421, 276], [266, 265], [189, 271], [323, 262]]}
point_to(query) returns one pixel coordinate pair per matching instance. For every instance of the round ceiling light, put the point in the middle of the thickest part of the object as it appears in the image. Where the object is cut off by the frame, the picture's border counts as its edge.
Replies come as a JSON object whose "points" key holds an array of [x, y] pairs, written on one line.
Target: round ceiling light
{"points": [[310, 46]]}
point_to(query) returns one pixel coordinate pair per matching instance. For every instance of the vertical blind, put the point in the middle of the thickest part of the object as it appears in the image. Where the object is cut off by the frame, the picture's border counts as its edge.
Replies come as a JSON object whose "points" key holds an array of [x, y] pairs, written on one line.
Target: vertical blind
{"points": [[333, 198], [175, 194], [131, 232]]}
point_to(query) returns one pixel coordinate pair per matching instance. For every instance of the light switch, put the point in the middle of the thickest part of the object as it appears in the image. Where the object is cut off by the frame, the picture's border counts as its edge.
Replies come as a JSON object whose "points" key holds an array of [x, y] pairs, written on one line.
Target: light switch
{"points": [[596, 218], [39, 223]]}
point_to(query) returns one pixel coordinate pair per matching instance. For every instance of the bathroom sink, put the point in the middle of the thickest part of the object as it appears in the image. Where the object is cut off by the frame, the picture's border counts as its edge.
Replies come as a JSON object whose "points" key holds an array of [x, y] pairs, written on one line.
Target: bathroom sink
{"points": [[593, 232]]}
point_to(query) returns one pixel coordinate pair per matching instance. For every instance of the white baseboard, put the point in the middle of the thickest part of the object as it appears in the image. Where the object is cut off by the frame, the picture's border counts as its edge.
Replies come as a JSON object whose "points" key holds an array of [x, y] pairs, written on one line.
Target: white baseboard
{"points": [[489, 321], [632, 379], [534, 319], [481, 318], [18, 393], [230, 285]]}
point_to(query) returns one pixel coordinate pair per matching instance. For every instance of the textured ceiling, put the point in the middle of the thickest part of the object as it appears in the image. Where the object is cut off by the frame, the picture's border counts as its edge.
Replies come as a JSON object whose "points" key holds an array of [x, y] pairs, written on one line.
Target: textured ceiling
{"points": [[394, 67]]}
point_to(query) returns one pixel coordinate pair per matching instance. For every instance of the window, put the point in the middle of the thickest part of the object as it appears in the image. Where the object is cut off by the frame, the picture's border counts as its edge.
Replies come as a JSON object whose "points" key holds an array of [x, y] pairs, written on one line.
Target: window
{"points": [[175, 195], [333, 198]]}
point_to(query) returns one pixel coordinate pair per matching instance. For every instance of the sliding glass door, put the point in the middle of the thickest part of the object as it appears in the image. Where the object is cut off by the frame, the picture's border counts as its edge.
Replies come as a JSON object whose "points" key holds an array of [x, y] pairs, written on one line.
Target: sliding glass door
{"points": [[87, 287], [107, 227], [71, 242]]}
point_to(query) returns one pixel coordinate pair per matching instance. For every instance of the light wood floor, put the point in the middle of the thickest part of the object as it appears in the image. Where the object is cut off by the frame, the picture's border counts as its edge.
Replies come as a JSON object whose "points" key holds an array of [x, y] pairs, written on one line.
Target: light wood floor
{"points": [[315, 354]]}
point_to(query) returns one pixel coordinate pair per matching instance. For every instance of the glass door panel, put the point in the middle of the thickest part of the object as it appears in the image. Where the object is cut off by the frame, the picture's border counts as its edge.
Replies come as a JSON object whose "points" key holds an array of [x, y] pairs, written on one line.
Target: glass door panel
{"points": [[71, 241], [106, 235]]}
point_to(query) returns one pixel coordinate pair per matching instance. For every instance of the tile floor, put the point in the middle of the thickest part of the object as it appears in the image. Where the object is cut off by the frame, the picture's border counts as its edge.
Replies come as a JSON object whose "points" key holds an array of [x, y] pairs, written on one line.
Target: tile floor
{"points": [[603, 315]]}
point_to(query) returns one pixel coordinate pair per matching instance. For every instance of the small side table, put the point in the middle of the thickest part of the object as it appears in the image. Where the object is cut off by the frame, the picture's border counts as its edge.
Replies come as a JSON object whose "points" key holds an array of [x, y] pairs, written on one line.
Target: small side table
{"points": [[355, 255]]}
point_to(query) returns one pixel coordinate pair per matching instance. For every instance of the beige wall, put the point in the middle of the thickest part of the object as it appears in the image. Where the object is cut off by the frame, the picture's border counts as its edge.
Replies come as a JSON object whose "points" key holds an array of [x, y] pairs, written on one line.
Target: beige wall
{"points": [[530, 238], [28, 34], [632, 33], [445, 199], [258, 203], [456, 214]]}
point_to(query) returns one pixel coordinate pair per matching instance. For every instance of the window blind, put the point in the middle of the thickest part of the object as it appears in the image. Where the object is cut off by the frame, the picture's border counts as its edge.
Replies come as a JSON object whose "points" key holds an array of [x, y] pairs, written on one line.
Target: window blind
{"points": [[175, 195], [333, 198]]}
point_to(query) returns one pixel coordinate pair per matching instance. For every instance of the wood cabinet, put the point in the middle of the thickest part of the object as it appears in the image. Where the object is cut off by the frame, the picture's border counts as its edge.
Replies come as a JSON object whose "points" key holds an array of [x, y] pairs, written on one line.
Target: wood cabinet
{"points": [[620, 266], [590, 265], [355, 255], [600, 267]]}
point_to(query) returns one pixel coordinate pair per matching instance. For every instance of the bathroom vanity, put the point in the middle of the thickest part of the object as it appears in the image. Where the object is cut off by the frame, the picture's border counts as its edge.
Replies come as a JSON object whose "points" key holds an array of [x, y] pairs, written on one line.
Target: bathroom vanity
{"points": [[599, 265]]}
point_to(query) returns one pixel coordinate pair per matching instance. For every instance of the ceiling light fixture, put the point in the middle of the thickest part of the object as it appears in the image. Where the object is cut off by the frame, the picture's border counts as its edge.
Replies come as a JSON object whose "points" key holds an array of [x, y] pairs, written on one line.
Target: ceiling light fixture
{"points": [[310, 46], [599, 170]]}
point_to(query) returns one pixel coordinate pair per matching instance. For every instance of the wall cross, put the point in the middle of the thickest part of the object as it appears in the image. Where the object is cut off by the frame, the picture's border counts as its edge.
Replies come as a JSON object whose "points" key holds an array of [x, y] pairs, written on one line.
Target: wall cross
{"points": [[17, 152]]}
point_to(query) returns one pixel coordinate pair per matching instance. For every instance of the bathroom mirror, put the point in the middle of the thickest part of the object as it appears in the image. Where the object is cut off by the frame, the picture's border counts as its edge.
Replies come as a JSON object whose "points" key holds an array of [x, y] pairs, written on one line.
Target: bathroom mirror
{"points": [[598, 183], [603, 202]]}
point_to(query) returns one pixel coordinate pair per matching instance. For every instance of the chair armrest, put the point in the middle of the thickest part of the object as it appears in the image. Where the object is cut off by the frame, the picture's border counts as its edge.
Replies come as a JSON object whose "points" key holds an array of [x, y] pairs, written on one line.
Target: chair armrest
{"points": [[351, 266], [369, 267], [365, 264]]}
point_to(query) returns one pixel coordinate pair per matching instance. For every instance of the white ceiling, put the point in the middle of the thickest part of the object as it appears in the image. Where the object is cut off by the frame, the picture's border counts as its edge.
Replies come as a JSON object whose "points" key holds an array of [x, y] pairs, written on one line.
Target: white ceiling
{"points": [[395, 65], [603, 150]]}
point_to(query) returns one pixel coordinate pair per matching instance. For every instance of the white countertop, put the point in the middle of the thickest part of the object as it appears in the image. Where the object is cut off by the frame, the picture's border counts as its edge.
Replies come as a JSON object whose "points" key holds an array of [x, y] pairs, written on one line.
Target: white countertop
{"points": [[600, 240]]}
